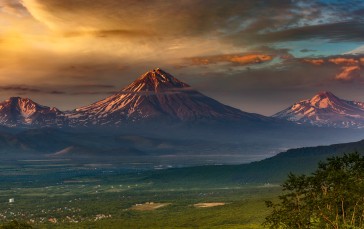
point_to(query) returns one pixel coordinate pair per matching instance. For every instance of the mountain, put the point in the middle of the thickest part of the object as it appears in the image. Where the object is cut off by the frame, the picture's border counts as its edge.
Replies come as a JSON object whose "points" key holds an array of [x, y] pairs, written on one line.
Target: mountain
{"points": [[23, 112], [157, 95], [325, 109], [271, 170]]}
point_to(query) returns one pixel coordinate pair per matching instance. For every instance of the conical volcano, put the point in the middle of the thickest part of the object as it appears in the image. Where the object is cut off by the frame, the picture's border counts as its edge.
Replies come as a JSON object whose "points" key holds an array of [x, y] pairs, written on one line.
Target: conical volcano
{"points": [[157, 95]]}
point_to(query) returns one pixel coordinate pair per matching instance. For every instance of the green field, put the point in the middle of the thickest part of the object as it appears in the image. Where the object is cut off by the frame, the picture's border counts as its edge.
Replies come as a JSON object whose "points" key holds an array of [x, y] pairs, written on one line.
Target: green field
{"points": [[104, 201]]}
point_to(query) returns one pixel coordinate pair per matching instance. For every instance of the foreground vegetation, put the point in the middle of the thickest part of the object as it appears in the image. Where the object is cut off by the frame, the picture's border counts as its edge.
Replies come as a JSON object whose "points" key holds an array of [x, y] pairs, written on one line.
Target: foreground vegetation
{"points": [[332, 197]]}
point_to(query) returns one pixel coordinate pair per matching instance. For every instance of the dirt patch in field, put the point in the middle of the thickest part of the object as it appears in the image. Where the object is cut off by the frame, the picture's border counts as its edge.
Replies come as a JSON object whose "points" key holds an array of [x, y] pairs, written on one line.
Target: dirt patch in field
{"points": [[209, 205], [149, 206]]}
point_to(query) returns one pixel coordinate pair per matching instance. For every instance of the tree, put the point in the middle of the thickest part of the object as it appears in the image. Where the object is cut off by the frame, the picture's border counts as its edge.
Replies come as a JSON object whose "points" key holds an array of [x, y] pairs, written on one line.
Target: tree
{"points": [[331, 197]]}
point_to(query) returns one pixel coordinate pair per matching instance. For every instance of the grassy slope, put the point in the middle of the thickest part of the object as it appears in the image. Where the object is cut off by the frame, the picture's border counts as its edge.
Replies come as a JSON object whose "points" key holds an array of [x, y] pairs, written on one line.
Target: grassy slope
{"points": [[271, 170]]}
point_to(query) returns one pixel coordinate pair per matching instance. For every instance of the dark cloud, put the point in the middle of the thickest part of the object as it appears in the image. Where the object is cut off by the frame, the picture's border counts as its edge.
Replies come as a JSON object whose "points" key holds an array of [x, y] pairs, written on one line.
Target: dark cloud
{"points": [[245, 20], [82, 89], [110, 33], [56, 92], [166, 17], [307, 50], [334, 32], [93, 93], [92, 86], [20, 89]]}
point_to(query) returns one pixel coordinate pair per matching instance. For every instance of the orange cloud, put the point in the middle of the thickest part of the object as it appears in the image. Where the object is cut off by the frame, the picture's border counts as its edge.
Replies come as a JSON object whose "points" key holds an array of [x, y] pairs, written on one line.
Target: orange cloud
{"points": [[240, 59], [361, 61], [348, 73], [315, 61], [350, 66], [343, 61], [249, 59]]}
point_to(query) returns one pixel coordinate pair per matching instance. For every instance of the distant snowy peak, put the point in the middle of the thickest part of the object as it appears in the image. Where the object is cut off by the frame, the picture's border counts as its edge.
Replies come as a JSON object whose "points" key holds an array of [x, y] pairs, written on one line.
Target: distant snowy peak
{"points": [[18, 112], [156, 95], [326, 109]]}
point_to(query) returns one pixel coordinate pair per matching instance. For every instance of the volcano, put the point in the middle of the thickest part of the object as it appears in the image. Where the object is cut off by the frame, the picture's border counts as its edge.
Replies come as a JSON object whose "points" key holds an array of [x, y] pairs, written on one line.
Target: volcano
{"points": [[158, 96]]}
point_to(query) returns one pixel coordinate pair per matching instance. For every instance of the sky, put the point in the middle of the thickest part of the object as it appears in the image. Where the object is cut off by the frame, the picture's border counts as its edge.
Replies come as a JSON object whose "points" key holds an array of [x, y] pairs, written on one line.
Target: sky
{"points": [[259, 56]]}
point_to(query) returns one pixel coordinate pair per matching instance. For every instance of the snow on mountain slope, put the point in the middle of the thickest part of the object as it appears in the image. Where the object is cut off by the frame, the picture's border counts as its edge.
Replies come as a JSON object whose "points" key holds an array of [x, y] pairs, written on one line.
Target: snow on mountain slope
{"points": [[325, 109], [157, 95], [23, 112]]}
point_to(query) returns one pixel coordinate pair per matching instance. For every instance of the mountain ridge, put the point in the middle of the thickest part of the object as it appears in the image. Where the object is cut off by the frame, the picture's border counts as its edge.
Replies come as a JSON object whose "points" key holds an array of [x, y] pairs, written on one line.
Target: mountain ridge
{"points": [[325, 110], [24, 112]]}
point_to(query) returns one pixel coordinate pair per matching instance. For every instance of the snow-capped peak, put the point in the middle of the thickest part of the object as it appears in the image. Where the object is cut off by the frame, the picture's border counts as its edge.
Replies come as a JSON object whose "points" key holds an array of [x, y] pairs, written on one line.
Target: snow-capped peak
{"points": [[325, 109], [156, 95], [155, 80], [17, 111], [324, 99], [26, 106]]}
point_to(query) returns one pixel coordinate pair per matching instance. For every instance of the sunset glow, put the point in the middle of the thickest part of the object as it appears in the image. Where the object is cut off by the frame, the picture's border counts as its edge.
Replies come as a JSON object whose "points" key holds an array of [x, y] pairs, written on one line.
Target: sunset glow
{"points": [[232, 50]]}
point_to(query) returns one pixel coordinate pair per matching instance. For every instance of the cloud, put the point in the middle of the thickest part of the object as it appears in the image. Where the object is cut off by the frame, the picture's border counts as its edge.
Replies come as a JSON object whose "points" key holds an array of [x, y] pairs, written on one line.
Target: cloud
{"points": [[111, 42], [236, 59], [109, 33], [19, 88], [314, 61], [333, 32], [343, 61], [361, 61], [13, 7], [349, 73], [358, 51], [93, 93], [276, 20], [82, 89], [307, 50], [350, 66], [258, 55]]}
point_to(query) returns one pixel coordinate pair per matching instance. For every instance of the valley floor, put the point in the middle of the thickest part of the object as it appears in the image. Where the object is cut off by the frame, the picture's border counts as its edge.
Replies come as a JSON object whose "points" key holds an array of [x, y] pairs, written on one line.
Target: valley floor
{"points": [[127, 202]]}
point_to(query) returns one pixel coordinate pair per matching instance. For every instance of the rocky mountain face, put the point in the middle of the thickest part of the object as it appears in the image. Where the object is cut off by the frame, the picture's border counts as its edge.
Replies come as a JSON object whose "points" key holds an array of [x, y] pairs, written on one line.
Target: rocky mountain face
{"points": [[325, 109], [157, 95], [23, 112]]}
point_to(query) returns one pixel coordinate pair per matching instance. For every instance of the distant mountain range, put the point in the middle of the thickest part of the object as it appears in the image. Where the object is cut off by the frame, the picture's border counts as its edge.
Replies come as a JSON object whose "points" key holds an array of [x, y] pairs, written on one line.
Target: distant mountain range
{"points": [[325, 109], [158, 97], [159, 118]]}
